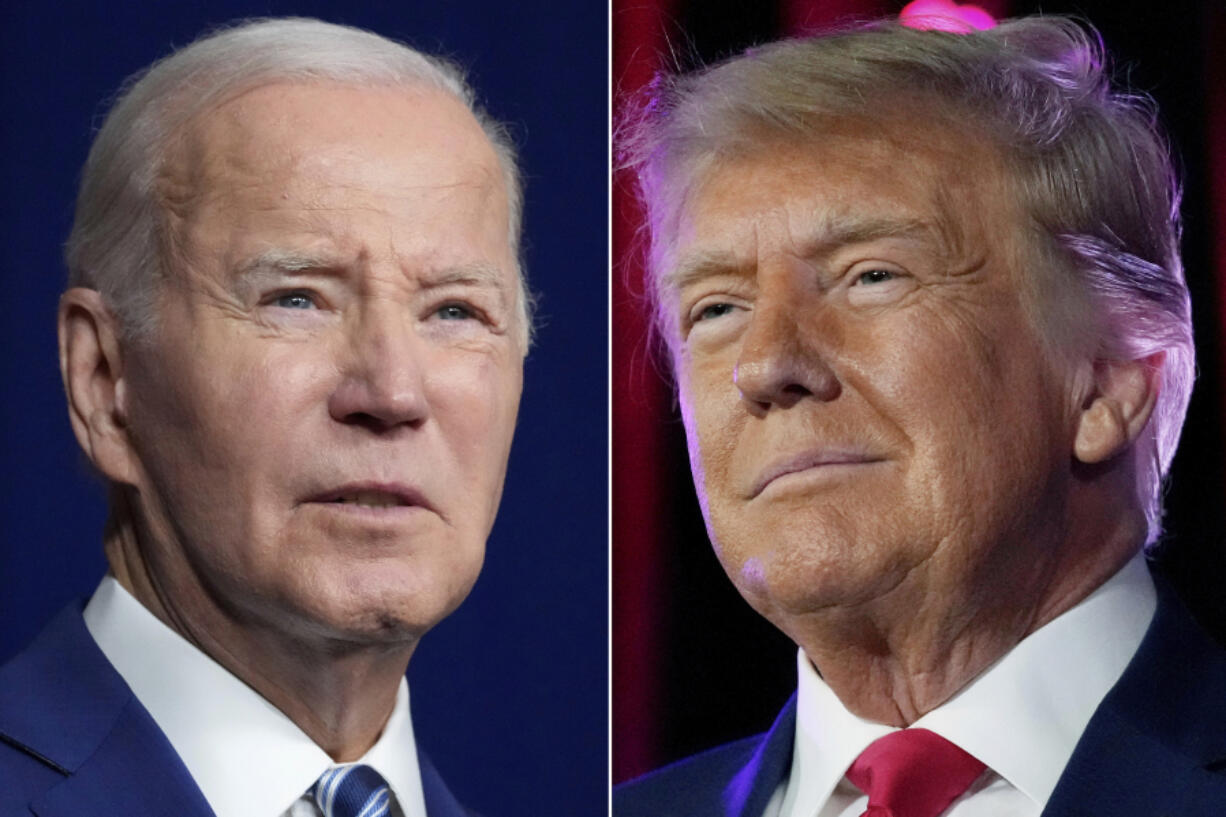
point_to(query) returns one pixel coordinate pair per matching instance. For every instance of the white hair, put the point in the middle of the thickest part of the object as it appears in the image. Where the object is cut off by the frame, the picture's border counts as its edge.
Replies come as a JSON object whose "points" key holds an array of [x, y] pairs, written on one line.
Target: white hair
{"points": [[117, 235], [1090, 164]]}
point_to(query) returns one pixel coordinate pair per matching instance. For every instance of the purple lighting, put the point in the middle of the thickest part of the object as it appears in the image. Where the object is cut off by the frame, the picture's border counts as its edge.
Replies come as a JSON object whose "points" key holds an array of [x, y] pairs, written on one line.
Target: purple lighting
{"points": [[945, 15]]}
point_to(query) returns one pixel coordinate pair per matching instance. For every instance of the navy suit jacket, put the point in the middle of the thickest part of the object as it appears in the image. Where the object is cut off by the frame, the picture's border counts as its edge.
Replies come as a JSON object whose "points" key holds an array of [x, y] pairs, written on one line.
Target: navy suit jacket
{"points": [[1155, 747], [75, 742]]}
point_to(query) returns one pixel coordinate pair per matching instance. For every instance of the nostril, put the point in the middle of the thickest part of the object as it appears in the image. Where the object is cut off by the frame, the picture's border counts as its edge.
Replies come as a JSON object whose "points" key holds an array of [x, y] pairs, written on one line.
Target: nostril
{"points": [[367, 421], [787, 382], [372, 400]]}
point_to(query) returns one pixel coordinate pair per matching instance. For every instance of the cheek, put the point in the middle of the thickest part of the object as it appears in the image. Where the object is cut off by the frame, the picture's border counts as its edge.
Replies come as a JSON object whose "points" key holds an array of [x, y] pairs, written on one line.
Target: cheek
{"points": [[944, 369], [475, 400], [695, 439], [225, 422], [707, 399], [714, 420], [977, 401], [261, 408]]}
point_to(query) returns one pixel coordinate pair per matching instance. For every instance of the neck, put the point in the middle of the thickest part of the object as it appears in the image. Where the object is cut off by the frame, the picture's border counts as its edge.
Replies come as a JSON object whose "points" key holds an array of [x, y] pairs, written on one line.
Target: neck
{"points": [[892, 667], [339, 693]]}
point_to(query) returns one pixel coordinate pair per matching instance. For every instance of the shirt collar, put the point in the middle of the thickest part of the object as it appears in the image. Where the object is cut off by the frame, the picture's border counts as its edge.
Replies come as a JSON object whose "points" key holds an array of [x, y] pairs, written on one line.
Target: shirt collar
{"points": [[1022, 716], [247, 757]]}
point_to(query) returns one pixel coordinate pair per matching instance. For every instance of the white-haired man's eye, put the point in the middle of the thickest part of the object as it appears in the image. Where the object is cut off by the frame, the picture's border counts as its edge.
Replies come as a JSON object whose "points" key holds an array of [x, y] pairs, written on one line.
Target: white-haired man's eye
{"points": [[295, 300]]}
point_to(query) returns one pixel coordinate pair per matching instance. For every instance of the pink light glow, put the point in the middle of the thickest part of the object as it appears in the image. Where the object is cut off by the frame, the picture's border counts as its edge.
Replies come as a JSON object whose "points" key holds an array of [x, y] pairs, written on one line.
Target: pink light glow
{"points": [[945, 15]]}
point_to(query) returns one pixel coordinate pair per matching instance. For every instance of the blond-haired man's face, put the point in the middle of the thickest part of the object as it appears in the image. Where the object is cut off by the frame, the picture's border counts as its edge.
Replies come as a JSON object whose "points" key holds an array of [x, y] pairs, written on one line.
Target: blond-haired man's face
{"points": [[865, 392]]}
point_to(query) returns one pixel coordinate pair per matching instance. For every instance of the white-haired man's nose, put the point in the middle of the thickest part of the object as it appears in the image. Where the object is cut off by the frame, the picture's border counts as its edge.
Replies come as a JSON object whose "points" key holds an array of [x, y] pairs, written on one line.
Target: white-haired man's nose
{"points": [[383, 379]]}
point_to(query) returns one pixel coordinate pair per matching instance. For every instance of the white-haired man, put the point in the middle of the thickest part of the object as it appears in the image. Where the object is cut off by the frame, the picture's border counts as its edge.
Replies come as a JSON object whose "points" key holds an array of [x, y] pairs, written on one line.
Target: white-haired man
{"points": [[924, 301], [293, 345]]}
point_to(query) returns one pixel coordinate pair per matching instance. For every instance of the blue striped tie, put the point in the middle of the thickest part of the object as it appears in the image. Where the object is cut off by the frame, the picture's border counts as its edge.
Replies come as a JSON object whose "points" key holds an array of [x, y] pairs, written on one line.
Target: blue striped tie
{"points": [[352, 791]]}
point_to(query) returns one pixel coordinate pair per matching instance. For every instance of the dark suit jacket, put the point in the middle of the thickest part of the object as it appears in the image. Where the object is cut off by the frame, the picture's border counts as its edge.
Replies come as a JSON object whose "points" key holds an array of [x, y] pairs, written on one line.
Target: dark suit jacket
{"points": [[1155, 747], [75, 742]]}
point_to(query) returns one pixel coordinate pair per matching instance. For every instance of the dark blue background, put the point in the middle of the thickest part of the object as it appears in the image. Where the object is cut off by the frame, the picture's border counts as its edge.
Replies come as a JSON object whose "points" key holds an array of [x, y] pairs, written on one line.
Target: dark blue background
{"points": [[509, 694]]}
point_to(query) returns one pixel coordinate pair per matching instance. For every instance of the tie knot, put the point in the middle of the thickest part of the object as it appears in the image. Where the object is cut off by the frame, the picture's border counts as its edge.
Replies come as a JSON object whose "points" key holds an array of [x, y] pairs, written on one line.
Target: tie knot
{"points": [[352, 791], [912, 773]]}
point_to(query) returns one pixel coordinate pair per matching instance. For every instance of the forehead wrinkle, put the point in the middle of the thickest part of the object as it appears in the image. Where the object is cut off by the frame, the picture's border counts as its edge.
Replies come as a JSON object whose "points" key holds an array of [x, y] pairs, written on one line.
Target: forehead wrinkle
{"points": [[481, 182], [833, 229], [769, 146], [831, 232], [225, 145], [277, 261]]}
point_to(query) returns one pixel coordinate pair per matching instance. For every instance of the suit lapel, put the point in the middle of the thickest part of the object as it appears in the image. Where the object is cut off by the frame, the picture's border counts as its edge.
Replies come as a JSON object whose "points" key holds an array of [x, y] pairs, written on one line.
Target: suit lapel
{"points": [[63, 703], [60, 697], [752, 787], [133, 772], [1157, 743], [1118, 771], [439, 800]]}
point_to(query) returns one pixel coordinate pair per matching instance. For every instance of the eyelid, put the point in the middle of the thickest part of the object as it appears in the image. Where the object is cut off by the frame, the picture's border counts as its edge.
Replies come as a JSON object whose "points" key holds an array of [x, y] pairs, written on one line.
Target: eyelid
{"points": [[857, 278], [468, 308], [736, 292], [475, 311], [271, 298], [696, 313], [854, 271], [692, 320], [896, 287]]}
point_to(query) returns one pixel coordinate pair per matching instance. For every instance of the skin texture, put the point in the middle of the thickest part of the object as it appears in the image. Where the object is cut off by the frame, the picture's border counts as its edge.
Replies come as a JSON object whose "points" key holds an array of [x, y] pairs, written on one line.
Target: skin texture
{"points": [[894, 467], [339, 316]]}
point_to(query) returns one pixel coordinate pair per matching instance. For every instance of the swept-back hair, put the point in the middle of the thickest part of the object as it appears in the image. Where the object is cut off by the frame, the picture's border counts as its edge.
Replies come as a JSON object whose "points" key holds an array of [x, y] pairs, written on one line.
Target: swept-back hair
{"points": [[1090, 164], [115, 245]]}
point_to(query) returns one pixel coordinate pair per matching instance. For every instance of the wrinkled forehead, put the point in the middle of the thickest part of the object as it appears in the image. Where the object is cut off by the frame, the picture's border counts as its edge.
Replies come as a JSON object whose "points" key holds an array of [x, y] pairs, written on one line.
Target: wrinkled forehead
{"points": [[304, 139], [953, 174]]}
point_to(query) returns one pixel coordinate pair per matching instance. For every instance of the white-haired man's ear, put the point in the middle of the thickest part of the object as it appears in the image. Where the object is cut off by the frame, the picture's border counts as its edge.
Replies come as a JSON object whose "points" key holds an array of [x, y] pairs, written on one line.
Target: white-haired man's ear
{"points": [[91, 364], [1116, 411]]}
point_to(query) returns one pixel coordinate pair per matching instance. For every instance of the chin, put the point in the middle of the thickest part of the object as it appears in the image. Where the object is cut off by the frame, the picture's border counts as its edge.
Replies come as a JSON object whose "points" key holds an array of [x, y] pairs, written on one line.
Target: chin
{"points": [[377, 622], [810, 569], [387, 607]]}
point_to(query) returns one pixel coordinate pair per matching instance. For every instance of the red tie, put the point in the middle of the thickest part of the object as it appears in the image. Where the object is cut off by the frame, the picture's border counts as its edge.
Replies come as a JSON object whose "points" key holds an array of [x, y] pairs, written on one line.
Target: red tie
{"points": [[912, 773]]}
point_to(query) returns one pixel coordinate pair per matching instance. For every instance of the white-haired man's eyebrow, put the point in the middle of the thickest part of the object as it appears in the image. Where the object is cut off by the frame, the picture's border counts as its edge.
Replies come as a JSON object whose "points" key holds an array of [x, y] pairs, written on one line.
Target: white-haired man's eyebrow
{"points": [[277, 264], [477, 276], [278, 261], [277, 267]]}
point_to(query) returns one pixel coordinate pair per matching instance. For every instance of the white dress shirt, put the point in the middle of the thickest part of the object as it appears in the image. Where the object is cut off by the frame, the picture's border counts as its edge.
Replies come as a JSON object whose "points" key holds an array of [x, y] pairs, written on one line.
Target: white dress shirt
{"points": [[246, 756], [1022, 716]]}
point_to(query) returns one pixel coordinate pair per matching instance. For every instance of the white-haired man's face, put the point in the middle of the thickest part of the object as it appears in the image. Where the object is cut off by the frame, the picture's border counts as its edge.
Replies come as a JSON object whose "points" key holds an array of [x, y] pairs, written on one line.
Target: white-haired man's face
{"points": [[319, 427], [867, 397]]}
